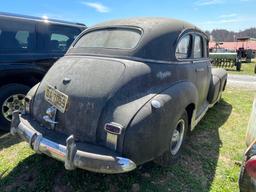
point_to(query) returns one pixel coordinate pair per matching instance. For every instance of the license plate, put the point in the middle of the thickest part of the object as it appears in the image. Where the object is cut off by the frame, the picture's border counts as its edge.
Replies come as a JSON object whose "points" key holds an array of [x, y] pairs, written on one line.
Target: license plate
{"points": [[56, 98]]}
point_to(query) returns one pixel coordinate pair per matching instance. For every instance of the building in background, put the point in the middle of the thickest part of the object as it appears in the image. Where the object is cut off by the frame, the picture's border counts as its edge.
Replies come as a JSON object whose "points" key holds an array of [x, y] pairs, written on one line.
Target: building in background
{"points": [[246, 43], [244, 46]]}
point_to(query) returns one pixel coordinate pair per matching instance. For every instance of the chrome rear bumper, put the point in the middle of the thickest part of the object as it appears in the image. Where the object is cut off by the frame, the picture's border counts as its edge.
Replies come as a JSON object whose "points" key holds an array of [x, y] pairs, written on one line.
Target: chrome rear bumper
{"points": [[69, 154]]}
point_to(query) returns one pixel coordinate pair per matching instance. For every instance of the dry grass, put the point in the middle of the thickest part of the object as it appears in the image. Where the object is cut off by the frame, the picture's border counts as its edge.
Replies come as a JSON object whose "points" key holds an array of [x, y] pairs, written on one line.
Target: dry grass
{"points": [[207, 164], [247, 69]]}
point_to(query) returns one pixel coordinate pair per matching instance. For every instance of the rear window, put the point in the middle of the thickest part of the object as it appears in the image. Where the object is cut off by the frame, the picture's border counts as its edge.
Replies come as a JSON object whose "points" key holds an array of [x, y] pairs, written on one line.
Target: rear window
{"points": [[16, 36], [110, 39]]}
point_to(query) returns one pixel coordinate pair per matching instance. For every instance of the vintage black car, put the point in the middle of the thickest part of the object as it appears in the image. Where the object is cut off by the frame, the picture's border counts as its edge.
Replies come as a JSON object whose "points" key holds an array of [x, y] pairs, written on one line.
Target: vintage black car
{"points": [[127, 92], [28, 48]]}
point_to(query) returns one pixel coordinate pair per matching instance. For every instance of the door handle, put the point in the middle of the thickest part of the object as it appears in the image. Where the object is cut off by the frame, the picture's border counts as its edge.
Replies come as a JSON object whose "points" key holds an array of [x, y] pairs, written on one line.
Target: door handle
{"points": [[199, 69]]}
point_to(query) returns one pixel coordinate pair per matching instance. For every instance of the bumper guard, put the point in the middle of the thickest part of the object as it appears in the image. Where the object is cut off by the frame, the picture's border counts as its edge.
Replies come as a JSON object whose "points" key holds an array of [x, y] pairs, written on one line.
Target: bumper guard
{"points": [[69, 154]]}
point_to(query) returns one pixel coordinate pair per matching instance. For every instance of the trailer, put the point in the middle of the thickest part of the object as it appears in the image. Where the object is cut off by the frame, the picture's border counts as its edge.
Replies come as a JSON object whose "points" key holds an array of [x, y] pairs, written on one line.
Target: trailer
{"points": [[226, 60]]}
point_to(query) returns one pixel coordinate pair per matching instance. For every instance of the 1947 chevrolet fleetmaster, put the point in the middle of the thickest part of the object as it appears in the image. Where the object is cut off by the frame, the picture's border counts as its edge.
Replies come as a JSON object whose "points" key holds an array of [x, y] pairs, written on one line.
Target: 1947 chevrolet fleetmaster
{"points": [[127, 92]]}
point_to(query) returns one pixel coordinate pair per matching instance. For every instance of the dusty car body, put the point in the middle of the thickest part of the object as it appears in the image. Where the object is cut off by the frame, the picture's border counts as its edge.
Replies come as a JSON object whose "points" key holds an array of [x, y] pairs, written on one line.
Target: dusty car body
{"points": [[247, 180], [126, 93]]}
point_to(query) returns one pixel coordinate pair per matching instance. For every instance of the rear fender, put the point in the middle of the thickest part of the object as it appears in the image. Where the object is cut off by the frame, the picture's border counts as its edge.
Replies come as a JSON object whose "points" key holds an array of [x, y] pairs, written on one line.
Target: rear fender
{"points": [[122, 114], [148, 134], [214, 90], [217, 85]]}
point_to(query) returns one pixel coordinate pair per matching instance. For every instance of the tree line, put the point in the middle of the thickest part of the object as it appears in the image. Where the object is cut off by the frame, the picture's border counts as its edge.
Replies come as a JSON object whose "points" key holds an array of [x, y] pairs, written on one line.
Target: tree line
{"points": [[225, 35]]}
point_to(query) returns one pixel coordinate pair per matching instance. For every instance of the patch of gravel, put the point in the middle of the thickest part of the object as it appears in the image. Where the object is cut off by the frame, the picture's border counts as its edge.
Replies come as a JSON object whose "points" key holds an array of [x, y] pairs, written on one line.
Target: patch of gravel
{"points": [[242, 81]]}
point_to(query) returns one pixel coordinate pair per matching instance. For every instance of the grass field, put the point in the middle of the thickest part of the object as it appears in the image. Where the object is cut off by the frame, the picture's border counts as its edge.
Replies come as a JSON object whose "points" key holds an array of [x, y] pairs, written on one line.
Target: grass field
{"points": [[208, 163], [247, 69]]}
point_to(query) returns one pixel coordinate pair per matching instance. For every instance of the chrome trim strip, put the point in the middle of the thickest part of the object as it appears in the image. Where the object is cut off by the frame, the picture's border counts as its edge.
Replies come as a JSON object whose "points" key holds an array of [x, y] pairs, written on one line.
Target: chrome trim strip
{"points": [[130, 58], [201, 116], [112, 141]]}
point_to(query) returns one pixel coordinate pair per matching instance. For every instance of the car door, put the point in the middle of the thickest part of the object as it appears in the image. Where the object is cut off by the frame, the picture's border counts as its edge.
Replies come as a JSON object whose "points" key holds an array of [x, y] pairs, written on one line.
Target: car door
{"points": [[202, 70]]}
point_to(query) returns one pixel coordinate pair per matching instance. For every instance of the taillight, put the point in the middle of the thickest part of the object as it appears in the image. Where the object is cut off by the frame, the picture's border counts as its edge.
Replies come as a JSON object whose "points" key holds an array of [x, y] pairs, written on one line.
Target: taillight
{"points": [[113, 128], [250, 167], [113, 131]]}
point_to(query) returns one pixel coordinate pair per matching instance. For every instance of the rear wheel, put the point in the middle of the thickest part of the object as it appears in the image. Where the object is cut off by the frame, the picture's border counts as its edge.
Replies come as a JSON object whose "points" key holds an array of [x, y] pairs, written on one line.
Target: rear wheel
{"points": [[176, 142], [11, 99]]}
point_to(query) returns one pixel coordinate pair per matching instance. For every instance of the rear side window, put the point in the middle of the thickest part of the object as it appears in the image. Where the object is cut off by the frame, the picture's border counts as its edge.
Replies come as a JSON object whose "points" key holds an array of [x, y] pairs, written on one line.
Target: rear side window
{"points": [[16, 36], [206, 48], [198, 47], [183, 49], [56, 38], [114, 38]]}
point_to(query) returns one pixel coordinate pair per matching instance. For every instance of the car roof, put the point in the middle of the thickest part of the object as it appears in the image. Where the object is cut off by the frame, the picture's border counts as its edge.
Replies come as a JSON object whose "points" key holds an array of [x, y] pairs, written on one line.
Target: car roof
{"points": [[158, 41], [149, 23], [39, 19]]}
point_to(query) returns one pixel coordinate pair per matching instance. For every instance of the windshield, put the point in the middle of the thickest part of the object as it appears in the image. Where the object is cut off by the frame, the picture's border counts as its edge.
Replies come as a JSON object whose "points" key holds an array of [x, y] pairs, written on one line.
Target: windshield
{"points": [[110, 38]]}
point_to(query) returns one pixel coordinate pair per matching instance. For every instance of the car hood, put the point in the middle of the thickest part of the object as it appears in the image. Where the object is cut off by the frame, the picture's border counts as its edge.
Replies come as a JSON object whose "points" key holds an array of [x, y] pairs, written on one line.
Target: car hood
{"points": [[92, 81]]}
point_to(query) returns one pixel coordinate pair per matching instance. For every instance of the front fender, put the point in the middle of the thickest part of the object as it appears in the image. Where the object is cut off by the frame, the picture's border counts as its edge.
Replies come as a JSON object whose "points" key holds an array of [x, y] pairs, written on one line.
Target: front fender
{"points": [[149, 132]]}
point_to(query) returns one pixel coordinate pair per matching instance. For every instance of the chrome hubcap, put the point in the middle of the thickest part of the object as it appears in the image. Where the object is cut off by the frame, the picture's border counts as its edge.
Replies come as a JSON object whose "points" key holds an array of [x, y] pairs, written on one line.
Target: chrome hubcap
{"points": [[177, 137], [12, 103]]}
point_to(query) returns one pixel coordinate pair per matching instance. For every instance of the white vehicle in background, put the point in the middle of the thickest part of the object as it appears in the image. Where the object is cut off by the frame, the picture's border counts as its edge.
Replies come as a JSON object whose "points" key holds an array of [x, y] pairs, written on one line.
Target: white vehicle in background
{"points": [[247, 180]]}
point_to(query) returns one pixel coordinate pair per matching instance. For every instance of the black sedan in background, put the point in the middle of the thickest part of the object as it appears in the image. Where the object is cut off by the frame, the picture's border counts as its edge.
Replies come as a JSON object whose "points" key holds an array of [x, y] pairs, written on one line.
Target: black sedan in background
{"points": [[28, 48]]}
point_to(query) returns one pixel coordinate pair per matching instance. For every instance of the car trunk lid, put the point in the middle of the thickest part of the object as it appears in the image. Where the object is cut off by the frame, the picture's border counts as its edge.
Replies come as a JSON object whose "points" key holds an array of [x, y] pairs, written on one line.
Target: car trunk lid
{"points": [[88, 83]]}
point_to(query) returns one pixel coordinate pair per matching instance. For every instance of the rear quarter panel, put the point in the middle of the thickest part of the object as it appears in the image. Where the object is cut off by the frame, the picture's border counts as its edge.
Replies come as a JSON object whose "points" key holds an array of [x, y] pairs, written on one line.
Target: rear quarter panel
{"points": [[148, 134]]}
